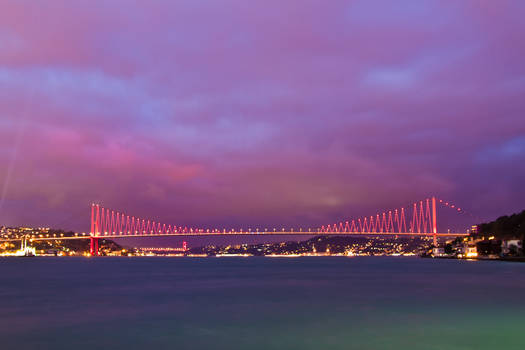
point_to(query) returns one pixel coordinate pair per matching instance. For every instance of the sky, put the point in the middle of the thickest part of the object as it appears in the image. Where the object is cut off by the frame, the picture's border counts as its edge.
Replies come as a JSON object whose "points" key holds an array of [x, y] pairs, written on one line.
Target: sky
{"points": [[259, 113]]}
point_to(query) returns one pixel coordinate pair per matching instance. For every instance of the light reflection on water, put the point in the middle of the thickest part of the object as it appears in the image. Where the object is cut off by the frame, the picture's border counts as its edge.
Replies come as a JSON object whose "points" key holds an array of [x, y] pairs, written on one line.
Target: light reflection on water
{"points": [[261, 303]]}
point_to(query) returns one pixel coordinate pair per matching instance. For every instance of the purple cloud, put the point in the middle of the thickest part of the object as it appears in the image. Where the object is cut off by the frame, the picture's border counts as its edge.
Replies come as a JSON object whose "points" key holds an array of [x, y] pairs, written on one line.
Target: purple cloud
{"points": [[260, 113]]}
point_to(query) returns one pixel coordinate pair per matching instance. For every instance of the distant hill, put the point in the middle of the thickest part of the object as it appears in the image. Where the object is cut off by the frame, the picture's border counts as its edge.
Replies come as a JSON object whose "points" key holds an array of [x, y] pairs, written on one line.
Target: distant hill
{"points": [[512, 226], [365, 245]]}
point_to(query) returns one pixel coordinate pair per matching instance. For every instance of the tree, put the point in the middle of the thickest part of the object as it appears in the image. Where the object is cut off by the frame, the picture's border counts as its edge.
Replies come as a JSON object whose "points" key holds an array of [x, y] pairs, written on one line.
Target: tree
{"points": [[512, 226]]}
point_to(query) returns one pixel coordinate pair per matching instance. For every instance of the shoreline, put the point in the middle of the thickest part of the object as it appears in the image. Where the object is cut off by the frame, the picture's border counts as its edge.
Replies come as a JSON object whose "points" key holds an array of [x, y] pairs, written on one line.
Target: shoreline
{"points": [[507, 259], [504, 259]]}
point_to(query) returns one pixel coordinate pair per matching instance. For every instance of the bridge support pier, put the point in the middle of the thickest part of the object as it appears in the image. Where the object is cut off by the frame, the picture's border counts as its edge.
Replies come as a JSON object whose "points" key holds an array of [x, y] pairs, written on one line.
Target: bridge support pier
{"points": [[93, 246]]}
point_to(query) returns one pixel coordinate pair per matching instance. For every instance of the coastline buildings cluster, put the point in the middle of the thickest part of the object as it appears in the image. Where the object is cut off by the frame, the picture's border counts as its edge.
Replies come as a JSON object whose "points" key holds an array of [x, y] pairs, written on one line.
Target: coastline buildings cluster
{"points": [[486, 241], [44, 241], [370, 245]]}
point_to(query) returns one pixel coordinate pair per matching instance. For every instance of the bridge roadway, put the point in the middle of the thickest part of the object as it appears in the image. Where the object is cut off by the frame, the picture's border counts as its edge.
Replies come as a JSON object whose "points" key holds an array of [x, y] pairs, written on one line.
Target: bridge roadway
{"points": [[243, 233]]}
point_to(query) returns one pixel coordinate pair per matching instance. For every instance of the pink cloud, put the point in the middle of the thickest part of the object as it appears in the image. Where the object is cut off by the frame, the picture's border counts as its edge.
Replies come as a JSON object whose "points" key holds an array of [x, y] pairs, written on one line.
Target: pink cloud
{"points": [[295, 113]]}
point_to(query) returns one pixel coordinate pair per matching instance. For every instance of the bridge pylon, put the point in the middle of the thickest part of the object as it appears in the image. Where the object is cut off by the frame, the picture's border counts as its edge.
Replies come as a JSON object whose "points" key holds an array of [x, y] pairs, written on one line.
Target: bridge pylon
{"points": [[95, 229], [434, 220]]}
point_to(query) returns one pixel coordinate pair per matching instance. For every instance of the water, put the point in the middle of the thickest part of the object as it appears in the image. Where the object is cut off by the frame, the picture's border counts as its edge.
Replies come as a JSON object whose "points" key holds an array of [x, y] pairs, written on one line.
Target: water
{"points": [[261, 303]]}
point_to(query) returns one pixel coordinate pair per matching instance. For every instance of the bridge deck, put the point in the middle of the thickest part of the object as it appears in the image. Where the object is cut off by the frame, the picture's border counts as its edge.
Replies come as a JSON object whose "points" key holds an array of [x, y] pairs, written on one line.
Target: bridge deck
{"points": [[254, 233]]}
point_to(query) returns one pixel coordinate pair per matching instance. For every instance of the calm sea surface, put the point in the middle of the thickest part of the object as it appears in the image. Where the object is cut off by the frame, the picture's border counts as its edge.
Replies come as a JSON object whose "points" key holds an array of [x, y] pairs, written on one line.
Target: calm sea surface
{"points": [[260, 303]]}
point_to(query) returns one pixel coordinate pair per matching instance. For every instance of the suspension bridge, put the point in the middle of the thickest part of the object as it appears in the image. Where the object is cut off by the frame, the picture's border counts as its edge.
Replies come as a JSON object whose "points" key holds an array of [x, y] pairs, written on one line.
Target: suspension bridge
{"points": [[418, 219]]}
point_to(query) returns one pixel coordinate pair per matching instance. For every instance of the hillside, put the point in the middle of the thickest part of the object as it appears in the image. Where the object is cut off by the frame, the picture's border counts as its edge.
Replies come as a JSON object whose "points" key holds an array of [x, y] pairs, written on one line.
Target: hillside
{"points": [[512, 226]]}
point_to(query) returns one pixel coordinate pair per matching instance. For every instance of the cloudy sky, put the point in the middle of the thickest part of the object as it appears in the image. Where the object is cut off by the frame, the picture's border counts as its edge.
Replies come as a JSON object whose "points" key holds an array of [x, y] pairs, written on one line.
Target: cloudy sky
{"points": [[236, 113]]}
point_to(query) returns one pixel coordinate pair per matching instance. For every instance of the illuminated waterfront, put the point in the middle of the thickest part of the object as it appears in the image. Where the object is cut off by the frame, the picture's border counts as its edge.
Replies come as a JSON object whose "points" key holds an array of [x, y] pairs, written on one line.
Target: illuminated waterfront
{"points": [[258, 303]]}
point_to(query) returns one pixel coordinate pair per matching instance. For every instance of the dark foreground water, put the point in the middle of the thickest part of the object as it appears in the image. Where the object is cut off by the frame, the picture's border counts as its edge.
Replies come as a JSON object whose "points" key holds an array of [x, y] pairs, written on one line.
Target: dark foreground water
{"points": [[260, 303]]}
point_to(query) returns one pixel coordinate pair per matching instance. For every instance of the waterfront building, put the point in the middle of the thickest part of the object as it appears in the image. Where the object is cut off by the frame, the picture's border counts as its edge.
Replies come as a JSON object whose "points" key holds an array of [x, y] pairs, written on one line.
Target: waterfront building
{"points": [[438, 251], [511, 246], [467, 251]]}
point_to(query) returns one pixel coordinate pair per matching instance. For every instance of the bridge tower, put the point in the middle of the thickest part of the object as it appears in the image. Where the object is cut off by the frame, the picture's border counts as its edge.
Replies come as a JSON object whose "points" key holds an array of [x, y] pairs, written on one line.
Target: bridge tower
{"points": [[434, 222], [95, 230]]}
